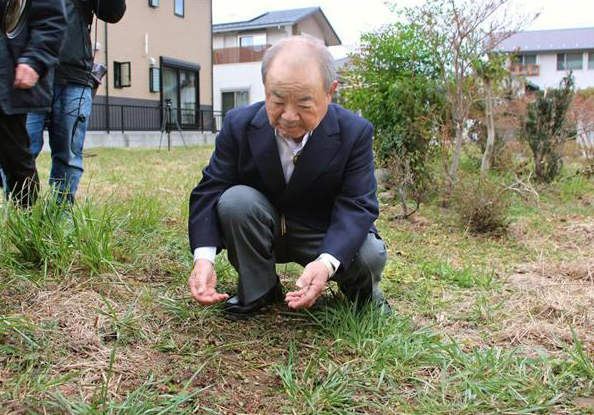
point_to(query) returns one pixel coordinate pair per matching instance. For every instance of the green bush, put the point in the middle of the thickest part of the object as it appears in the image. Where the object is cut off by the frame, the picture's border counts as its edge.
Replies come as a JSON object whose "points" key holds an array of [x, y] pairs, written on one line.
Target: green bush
{"points": [[546, 129], [393, 82]]}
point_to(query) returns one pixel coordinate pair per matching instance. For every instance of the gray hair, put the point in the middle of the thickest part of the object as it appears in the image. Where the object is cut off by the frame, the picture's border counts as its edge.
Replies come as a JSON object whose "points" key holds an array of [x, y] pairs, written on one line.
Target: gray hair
{"points": [[318, 48]]}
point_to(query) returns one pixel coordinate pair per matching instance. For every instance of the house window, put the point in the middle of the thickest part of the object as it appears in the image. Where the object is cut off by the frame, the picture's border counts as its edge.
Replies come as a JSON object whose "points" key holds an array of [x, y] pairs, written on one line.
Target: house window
{"points": [[178, 8], [569, 61], [154, 3], [155, 80], [122, 74], [529, 59], [234, 99], [252, 40], [523, 60], [181, 87], [591, 60]]}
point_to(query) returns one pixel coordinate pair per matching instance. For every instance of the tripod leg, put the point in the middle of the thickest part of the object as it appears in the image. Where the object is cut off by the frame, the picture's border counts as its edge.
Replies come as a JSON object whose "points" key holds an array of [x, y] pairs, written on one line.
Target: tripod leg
{"points": [[179, 130], [168, 127], [162, 132]]}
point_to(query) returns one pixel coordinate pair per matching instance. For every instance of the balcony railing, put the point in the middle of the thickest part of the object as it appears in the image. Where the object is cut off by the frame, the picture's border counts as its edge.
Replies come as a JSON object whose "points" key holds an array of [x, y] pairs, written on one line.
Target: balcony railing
{"points": [[145, 118], [525, 70], [240, 54]]}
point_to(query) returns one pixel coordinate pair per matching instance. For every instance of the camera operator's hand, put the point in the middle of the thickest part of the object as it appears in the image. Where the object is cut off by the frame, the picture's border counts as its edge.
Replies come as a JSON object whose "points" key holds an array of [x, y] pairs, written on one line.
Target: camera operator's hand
{"points": [[25, 77], [203, 283]]}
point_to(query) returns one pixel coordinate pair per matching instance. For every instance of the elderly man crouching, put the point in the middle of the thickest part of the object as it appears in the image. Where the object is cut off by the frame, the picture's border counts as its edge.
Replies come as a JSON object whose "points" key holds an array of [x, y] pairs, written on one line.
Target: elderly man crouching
{"points": [[291, 179]]}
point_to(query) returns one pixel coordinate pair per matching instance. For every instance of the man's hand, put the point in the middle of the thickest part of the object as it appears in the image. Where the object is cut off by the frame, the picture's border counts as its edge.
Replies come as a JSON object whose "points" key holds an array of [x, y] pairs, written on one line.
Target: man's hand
{"points": [[203, 283], [25, 77], [311, 286]]}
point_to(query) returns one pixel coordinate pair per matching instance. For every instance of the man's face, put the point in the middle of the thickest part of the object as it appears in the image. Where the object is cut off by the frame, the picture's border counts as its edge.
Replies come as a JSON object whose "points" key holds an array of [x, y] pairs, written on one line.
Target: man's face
{"points": [[296, 101]]}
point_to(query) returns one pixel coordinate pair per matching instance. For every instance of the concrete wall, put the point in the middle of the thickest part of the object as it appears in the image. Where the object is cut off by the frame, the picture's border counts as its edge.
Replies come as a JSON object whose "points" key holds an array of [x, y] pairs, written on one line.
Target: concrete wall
{"points": [[550, 77], [143, 139], [146, 32]]}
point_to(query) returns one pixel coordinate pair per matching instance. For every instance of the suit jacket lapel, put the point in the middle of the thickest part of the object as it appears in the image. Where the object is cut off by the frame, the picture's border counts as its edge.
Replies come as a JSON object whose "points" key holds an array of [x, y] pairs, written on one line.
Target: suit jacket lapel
{"points": [[317, 153], [262, 142]]}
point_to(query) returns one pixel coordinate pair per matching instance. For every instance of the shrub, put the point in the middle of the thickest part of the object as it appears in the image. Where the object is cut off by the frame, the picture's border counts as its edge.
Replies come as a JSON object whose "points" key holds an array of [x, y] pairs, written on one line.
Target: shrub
{"points": [[482, 204], [393, 81], [512, 157], [545, 129]]}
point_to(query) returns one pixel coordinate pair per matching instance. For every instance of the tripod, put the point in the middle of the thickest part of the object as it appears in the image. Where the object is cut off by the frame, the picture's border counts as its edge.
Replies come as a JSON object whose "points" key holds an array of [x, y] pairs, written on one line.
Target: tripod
{"points": [[166, 126]]}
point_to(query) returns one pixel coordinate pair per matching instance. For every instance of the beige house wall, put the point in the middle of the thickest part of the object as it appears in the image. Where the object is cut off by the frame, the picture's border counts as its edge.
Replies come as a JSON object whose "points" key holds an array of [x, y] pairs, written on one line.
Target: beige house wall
{"points": [[274, 35], [221, 41], [146, 33], [310, 27], [226, 40]]}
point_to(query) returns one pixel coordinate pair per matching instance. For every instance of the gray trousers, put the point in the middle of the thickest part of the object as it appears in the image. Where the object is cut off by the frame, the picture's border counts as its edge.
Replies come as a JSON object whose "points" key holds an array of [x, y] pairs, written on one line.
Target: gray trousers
{"points": [[251, 229]]}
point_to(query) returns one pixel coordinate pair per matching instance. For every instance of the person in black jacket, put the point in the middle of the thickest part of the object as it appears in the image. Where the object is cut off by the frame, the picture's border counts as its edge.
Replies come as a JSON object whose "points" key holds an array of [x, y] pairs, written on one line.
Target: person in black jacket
{"points": [[71, 109], [26, 77]]}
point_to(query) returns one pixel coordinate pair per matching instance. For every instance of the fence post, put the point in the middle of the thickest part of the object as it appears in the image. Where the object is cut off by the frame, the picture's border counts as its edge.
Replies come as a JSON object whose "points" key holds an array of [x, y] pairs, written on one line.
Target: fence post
{"points": [[107, 120], [122, 117]]}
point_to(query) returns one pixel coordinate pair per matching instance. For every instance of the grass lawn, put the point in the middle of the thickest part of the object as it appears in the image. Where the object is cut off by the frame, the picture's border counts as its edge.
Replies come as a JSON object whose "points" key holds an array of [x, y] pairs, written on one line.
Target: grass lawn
{"points": [[95, 315]]}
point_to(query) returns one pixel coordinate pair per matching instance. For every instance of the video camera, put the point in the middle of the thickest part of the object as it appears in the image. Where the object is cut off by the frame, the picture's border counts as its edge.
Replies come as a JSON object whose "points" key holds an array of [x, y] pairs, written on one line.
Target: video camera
{"points": [[13, 16]]}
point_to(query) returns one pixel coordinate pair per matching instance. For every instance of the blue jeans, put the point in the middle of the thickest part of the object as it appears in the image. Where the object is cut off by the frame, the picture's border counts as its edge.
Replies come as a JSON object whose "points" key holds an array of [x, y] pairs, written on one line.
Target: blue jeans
{"points": [[67, 126], [4, 182]]}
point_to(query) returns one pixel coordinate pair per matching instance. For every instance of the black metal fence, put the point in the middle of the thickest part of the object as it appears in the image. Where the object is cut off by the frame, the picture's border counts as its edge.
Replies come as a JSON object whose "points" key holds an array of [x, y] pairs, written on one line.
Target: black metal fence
{"points": [[122, 118]]}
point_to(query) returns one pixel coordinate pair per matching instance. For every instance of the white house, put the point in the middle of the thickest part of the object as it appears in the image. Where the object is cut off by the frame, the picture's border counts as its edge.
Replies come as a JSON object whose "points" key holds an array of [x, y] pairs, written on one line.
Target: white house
{"points": [[238, 49], [544, 57]]}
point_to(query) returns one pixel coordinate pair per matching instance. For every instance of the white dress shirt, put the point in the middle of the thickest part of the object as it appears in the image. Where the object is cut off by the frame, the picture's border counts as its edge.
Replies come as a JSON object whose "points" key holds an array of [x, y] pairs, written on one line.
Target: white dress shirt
{"points": [[288, 150]]}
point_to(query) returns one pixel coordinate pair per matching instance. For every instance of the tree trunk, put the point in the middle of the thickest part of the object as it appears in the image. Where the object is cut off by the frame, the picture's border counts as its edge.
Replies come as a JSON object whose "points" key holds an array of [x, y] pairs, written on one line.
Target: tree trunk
{"points": [[488, 155], [452, 174], [402, 197], [538, 167]]}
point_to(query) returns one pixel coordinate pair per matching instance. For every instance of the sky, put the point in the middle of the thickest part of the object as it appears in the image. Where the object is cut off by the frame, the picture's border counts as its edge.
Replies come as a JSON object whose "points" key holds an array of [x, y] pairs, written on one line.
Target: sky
{"points": [[350, 18]]}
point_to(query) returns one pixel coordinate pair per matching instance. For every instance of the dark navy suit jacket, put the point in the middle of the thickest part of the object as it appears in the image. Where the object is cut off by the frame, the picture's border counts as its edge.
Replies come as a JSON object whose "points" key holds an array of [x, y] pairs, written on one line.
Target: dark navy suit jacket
{"points": [[332, 188]]}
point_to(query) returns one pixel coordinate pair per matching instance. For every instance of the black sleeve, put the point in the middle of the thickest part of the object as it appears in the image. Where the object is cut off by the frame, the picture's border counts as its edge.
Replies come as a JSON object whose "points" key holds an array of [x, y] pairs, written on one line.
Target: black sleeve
{"points": [[356, 207], [218, 176], [110, 11], [47, 27]]}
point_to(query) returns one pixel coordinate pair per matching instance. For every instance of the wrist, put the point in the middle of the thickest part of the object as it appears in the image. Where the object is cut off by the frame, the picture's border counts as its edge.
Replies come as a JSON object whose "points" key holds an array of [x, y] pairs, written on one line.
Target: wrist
{"points": [[23, 60], [202, 262], [327, 264]]}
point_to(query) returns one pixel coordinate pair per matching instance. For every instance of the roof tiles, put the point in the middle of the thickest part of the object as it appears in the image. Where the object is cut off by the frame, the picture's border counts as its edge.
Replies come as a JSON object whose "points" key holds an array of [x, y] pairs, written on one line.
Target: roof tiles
{"points": [[550, 40], [269, 19]]}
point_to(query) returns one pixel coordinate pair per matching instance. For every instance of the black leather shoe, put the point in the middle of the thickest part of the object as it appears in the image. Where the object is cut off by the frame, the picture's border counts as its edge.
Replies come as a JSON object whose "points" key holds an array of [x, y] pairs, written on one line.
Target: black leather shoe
{"points": [[385, 308], [234, 309]]}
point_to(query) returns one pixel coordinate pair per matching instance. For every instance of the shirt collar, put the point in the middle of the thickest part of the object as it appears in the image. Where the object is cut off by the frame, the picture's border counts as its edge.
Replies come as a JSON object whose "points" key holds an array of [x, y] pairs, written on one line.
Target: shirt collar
{"points": [[290, 140]]}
